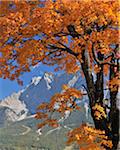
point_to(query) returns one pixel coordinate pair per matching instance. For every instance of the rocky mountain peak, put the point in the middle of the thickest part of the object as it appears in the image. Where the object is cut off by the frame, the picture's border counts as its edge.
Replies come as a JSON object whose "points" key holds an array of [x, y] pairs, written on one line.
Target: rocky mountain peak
{"points": [[15, 109], [48, 77], [41, 89], [36, 80]]}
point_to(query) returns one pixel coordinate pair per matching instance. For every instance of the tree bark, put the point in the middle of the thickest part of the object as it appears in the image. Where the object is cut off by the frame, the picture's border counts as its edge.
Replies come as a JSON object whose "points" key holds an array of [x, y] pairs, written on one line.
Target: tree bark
{"points": [[114, 111], [96, 95], [99, 84]]}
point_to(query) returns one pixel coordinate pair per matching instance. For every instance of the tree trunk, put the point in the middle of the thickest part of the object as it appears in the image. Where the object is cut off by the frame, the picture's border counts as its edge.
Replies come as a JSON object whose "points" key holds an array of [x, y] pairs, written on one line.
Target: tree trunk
{"points": [[96, 95], [114, 111], [115, 128]]}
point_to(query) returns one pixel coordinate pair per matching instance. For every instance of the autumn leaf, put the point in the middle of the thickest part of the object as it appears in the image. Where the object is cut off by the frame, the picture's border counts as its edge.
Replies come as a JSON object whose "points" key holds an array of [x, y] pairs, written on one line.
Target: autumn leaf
{"points": [[99, 111]]}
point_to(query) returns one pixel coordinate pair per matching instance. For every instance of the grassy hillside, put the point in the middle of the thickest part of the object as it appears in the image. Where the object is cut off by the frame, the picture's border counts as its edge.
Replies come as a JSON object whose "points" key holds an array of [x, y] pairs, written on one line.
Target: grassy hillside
{"points": [[22, 135]]}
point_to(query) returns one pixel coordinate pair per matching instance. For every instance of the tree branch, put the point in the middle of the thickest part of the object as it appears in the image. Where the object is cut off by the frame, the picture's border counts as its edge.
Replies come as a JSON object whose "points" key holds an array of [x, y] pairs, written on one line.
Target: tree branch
{"points": [[89, 79], [101, 62], [65, 49]]}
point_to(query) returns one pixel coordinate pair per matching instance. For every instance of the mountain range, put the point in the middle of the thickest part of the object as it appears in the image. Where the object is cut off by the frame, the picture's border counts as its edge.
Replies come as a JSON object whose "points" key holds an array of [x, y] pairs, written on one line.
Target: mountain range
{"points": [[18, 127], [24, 103]]}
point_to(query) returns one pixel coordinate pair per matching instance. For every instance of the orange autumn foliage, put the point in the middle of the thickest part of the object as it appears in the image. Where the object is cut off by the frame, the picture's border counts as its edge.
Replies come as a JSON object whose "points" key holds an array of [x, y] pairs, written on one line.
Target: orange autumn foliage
{"points": [[24, 19], [74, 35], [88, 138]]}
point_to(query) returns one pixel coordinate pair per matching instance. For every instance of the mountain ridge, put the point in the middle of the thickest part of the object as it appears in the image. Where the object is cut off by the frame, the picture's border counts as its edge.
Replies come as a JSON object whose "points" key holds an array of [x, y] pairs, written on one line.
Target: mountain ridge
{"points": [[22, 104]]}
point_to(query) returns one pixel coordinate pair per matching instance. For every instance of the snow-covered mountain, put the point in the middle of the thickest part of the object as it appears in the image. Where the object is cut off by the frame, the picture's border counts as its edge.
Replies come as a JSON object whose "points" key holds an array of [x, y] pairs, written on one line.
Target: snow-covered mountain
{"points": [[12, 108], [47, 86], [24, 103]]}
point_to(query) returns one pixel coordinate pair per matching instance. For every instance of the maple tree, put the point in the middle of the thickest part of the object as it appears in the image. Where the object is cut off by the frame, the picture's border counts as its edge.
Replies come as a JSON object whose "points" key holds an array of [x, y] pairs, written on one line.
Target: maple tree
{"points": [[76, 35]]}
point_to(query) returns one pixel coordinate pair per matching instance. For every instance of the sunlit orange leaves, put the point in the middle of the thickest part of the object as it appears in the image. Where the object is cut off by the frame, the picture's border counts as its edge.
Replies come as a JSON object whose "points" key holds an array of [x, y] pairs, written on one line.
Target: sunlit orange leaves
{"points": [[51, 122], [41, 115], [99, 111], [43, 106], [114, 83], [71, 65], [87, 137], [91, 22], [59, 103]]}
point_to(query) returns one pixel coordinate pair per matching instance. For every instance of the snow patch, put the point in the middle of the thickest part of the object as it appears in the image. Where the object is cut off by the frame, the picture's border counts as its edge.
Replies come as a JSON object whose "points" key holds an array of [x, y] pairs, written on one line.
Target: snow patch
{"points": [[36, 80], [48, 77], [16, 110]]}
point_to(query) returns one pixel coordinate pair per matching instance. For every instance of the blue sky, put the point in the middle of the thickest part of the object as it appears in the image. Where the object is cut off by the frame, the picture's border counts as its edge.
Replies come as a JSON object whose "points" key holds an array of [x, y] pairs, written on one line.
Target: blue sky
{"points": [[7, 87]]}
